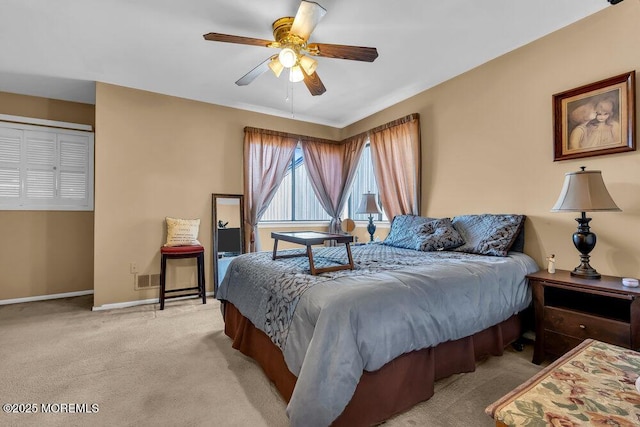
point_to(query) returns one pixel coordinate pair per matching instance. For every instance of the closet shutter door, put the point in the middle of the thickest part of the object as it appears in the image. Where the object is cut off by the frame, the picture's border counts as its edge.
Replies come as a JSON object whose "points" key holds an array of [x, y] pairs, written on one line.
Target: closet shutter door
{"points": [[74, 170], [44, 168], [10, 148], [40, 185]]}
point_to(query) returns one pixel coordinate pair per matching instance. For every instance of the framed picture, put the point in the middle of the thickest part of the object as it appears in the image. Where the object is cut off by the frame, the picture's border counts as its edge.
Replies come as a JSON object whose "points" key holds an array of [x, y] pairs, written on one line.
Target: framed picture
{"points": [[595, 119]]}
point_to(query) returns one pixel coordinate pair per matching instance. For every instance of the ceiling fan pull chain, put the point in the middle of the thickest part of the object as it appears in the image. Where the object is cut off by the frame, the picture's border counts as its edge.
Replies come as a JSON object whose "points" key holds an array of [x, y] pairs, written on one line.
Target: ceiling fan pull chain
{"points": [[291, 85]]}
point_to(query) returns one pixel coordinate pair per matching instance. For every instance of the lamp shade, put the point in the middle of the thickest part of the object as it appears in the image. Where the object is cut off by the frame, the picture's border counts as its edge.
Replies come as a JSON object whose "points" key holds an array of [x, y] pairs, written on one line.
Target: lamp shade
{"points": [[276, 66], [295, 74], [288, 57], [308, 64], [368, 204], [584, 191]]}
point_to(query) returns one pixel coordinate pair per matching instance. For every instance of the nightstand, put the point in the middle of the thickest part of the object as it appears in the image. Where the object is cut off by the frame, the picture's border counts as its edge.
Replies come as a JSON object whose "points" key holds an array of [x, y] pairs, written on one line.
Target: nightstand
{"points": [[569, 309]]}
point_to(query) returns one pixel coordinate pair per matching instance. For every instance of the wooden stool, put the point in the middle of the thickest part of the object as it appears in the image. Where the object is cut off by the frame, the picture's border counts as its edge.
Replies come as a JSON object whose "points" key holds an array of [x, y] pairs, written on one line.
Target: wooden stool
{"points": [[175, 252]]}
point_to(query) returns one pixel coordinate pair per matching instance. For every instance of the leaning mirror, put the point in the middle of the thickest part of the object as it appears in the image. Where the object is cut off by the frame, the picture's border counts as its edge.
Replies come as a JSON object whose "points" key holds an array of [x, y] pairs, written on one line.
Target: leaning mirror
{"points": [[228, 232]]}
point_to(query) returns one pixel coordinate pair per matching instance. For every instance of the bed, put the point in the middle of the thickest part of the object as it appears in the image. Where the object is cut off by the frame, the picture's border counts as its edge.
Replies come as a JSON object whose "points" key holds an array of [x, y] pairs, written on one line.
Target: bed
{"points": [[354, 347]]}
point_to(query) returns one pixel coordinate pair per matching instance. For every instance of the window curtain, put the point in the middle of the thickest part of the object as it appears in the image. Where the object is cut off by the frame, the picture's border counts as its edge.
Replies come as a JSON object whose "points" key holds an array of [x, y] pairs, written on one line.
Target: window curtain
{"points": [[331, 168], [395, 152], [267, 154]]}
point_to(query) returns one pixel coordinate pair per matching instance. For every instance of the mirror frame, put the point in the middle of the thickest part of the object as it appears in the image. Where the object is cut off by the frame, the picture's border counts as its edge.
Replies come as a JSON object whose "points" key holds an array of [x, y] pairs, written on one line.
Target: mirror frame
{"points": [[214, 231]]}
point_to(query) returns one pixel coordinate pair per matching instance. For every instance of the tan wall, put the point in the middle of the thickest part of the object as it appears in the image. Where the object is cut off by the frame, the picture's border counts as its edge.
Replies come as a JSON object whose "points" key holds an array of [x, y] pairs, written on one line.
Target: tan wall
{"points": [[160, 156], [45, 252], [487, 147], [45, 108], [487, 140]]}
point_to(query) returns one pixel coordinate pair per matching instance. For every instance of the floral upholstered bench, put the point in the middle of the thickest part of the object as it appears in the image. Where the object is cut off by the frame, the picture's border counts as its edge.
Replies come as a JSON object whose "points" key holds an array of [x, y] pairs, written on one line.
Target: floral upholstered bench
{"points": [[593, 384]]}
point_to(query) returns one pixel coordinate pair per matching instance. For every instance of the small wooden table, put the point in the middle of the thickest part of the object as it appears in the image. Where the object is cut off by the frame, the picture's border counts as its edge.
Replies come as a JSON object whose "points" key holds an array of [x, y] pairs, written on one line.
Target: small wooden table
{"points": [[309, 238]]}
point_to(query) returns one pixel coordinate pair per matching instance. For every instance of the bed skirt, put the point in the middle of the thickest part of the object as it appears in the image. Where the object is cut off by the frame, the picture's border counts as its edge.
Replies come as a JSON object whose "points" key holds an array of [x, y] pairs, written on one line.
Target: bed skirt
{"points": [[392, 389]]}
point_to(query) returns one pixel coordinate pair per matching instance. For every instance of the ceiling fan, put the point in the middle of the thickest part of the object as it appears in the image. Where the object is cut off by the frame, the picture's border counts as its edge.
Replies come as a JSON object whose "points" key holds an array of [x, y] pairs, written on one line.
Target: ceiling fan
{"points": [[291, 35]]}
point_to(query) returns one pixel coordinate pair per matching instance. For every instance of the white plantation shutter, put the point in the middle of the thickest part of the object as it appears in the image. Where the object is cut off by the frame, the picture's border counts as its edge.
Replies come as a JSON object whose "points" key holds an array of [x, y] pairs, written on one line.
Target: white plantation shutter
{"points": [[40, 166], [45, 168], [10, 155], [74, 163]]}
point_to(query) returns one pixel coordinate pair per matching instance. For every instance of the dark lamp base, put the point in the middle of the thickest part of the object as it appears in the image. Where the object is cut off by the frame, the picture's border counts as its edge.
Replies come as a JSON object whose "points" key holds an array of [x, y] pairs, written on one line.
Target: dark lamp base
{"points": [[584, 241], [585, 273], [371, 228]]}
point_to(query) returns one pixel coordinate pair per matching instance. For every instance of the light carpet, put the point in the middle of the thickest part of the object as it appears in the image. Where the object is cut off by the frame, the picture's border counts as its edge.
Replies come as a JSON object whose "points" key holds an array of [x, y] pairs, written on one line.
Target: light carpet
{"points": [[142, 366]]}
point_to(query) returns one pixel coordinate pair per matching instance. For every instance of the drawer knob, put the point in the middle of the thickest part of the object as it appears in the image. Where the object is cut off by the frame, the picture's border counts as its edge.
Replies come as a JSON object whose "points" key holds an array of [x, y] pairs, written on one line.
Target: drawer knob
{"points": [[582, 327]]}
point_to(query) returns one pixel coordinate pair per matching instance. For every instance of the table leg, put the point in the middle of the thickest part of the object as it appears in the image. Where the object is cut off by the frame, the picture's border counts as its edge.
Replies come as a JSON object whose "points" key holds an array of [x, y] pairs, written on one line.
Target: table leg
{"points": [[312, 266], [538, 307], [275, 248], [349, 255]]}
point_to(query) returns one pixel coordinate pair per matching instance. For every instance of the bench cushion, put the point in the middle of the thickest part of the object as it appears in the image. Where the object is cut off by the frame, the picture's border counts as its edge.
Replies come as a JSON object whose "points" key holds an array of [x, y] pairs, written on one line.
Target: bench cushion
{"points": [[593, 384]]}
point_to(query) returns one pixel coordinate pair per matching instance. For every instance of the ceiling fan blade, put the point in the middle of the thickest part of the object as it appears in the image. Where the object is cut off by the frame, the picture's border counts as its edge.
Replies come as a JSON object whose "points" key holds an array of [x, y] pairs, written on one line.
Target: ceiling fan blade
{"points": [[227, 38], [357, 53], [253, 74], [308, 15], [313, 83]]}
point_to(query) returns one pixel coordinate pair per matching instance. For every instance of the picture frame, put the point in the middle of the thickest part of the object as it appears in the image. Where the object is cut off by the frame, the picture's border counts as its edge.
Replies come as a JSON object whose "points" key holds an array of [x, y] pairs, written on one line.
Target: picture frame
{"points": [[595, 119]]}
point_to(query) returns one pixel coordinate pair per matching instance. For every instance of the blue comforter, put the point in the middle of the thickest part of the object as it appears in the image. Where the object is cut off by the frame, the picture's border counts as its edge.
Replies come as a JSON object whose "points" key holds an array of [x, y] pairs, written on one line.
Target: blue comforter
{"points": [[333, 326]]}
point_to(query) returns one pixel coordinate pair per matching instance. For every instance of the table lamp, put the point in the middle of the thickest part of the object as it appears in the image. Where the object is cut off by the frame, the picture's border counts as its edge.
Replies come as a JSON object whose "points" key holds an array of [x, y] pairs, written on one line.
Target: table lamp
{"points": [[584, 191], [368, 205]]}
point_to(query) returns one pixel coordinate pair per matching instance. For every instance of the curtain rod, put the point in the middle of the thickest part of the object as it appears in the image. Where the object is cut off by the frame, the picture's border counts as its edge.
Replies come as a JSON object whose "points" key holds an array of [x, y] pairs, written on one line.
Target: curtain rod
{"points": [[393, 123], [290, 135], [397, 122]]}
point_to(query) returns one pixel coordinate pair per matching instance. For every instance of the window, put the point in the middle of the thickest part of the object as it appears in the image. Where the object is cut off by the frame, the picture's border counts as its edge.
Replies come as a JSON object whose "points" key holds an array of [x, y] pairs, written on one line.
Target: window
{"points": [[295, 199], [363, 182], [45, 168]]}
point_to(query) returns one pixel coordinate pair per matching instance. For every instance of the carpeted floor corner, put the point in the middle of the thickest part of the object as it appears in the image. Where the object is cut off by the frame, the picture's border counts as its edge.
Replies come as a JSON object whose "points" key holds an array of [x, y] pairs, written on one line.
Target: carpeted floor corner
{"points": [[145, 367]]}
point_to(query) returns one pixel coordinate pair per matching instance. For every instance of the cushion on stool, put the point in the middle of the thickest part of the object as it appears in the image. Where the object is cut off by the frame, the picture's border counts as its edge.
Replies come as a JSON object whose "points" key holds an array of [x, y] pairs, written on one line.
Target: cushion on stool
{"points": [[187, 249]]}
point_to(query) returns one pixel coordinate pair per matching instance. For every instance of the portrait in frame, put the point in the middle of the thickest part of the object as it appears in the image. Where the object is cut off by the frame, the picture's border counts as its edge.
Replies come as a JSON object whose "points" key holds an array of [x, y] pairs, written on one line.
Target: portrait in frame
{"points": [[595, 119]]}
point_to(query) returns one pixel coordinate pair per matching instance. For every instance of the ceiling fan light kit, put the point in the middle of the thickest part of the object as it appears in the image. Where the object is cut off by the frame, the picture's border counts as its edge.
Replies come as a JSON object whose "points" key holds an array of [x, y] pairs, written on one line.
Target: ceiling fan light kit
{"points": [[276, 66], [295, 74], [291, 35], [308, 64], [287, 57]]}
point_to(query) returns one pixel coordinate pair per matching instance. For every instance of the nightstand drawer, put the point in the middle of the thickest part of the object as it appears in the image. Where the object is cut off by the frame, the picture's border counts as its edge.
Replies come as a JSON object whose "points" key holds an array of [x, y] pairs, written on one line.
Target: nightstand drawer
{"points": [[582, 325]]}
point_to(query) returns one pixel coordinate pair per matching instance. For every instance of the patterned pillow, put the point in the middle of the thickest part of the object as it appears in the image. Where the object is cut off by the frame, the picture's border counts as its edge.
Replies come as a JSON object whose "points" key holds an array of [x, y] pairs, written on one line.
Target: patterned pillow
{"points": [[488, 234], [402, 232], [182, 231], [518, 243], [437, 235]]}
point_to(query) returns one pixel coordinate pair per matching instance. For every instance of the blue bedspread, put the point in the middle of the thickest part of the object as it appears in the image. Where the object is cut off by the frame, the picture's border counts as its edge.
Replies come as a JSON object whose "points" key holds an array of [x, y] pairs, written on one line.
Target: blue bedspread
{"points": [[333, 326]]}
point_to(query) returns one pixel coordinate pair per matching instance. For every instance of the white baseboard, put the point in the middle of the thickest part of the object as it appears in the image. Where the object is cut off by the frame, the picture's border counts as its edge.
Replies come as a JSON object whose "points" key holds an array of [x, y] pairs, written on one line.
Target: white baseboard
{"points": [[44, 297], [94, 308], [139, 302]]}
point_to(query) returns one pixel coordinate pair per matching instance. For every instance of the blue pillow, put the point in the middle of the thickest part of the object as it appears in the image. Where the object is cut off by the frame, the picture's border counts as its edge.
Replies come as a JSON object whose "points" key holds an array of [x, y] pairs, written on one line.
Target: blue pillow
{"points": [[518, 244], [403, 230], [488, 234], [437, 235]]}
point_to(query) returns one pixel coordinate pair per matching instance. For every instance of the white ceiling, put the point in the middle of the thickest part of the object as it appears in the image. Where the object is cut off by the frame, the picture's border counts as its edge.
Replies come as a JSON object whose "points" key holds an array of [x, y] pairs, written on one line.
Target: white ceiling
{"points": [[58, 49]]}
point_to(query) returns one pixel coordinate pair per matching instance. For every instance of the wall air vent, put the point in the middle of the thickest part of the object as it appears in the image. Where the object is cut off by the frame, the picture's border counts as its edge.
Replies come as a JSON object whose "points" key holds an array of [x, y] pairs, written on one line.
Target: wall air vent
{"points": [[154, 280], [147, 281], [143, 281]]}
